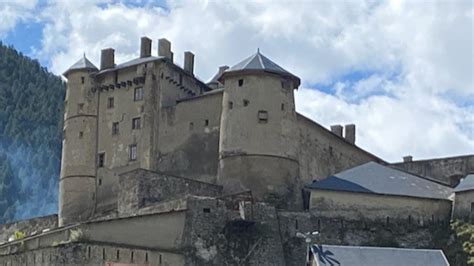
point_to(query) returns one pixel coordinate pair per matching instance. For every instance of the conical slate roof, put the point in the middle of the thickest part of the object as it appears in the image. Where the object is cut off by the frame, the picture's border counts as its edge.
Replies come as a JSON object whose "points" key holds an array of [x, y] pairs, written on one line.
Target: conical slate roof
{"points": [[259, 62], [83, 63]]}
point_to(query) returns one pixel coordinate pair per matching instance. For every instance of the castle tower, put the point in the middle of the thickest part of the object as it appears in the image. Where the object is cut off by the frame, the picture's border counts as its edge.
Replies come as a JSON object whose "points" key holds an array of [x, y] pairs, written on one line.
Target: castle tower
{"points": [[77, 185], [258, 139]]}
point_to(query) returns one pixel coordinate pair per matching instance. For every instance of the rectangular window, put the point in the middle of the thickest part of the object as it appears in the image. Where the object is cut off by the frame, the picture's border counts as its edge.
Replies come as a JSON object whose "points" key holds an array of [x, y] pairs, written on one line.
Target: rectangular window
{"points": [[110, 102], [262, 117], [138, 94], [231, 105], [136, 123], [133, 152], [191, 125], [81, 134], [246, 102], [283, 107], [206, 122], [101, 160], [241, 82], [82, 80], [115, 128], [80, 107]]}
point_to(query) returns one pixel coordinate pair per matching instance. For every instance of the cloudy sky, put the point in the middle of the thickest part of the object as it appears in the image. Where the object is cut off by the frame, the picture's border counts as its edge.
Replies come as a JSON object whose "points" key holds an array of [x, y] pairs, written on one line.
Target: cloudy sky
{"points": [[402, 71]]}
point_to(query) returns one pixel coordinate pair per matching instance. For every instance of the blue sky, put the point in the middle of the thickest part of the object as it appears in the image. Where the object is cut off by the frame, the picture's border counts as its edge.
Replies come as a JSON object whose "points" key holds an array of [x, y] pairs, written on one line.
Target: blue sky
{"points": [[402, 71]]}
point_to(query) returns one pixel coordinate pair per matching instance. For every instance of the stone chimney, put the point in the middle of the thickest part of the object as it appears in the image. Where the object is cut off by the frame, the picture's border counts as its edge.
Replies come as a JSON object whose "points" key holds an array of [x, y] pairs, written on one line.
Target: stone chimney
{"points": [[407, 158], [189, 62], [107, 58], [164, 49], [145, 47], [337, 129], [350, 133]]}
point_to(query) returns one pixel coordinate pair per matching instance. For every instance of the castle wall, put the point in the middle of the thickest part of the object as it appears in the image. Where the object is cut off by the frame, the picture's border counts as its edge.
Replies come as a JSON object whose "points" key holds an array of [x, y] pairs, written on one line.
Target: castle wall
{"points": [[141, 188], [259, 138], [28, 227], [323, 153], [360, 206], [78, 176], [447, 170], [92, 254], [463, 206], [116, 147], [188, 139], [332, 231]]}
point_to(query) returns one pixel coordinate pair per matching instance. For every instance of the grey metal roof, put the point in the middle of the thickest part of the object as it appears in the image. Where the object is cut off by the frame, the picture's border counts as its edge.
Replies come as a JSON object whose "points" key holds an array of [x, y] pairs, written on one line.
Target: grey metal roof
{"points": [[467, 183], [375, 178], [132, 62], [83, 63], [260, 62], [375, 256]]}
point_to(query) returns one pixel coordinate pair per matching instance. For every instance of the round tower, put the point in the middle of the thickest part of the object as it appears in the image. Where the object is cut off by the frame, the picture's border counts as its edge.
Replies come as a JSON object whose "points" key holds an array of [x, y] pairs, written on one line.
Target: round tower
{"points": [[77, 184], [259, 135]]}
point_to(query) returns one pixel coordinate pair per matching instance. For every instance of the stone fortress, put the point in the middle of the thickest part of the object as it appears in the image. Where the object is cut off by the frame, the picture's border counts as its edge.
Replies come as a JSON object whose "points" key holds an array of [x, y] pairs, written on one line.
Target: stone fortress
{"points": [[160, 168]]}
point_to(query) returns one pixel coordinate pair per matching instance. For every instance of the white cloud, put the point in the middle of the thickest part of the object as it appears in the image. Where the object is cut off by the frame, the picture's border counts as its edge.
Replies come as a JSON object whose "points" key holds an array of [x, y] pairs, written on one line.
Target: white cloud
{"points": [[418, 57], [14, 11]]}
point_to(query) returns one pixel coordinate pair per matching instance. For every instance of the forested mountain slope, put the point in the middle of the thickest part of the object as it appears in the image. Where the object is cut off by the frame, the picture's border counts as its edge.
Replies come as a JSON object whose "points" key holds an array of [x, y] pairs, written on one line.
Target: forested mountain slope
{"points": [[31, 111]]}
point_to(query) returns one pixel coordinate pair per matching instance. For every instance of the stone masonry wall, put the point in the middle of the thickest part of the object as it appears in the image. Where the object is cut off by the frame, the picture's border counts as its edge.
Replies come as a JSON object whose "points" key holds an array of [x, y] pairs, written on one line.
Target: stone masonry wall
{"points": [[447, 170], [29, 227], [141, 188]]}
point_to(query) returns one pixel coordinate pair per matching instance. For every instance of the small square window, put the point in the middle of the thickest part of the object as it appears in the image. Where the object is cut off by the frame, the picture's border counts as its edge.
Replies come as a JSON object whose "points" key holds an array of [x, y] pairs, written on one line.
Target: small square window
{"points": [[246, 102], [231, 105], [138, 94], [241, 82], [136, 123], [110, 102], [133, 152], [115, 128], [101, 160], [81, 134], [262, 117]]}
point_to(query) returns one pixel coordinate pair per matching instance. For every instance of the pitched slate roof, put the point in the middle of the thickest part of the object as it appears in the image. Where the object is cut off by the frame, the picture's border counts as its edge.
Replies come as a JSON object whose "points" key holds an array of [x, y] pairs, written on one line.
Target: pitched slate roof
{"points": [[467, 183], [379, 179], [83, 63], [259, 62], [375, 256], [132, 62]]}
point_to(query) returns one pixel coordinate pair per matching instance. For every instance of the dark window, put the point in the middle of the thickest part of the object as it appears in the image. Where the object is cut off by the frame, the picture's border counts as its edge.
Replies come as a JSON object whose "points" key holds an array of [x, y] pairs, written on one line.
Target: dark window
{"points": [[191, 125], [115, 128], [231, 105], [180, 79], [133, 152], [101, 160], [136, 123], [64, 134], [100, 182], [206, 210], [283, 107], [110, 102], [81, 134], [206, 122], [262, 117], [138, 94], [118, 254], [82, 80], [246, 102], [241, 82]]}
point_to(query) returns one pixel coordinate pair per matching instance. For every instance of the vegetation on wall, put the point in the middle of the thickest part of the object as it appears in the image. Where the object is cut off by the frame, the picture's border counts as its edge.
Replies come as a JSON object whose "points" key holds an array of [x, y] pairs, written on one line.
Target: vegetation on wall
{"points": [[31, 108], [461, 246]]}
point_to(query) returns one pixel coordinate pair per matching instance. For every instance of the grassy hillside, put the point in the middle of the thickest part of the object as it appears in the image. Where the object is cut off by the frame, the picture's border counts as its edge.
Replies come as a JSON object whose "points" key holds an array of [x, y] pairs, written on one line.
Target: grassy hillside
{"points": [[31, 103]]}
